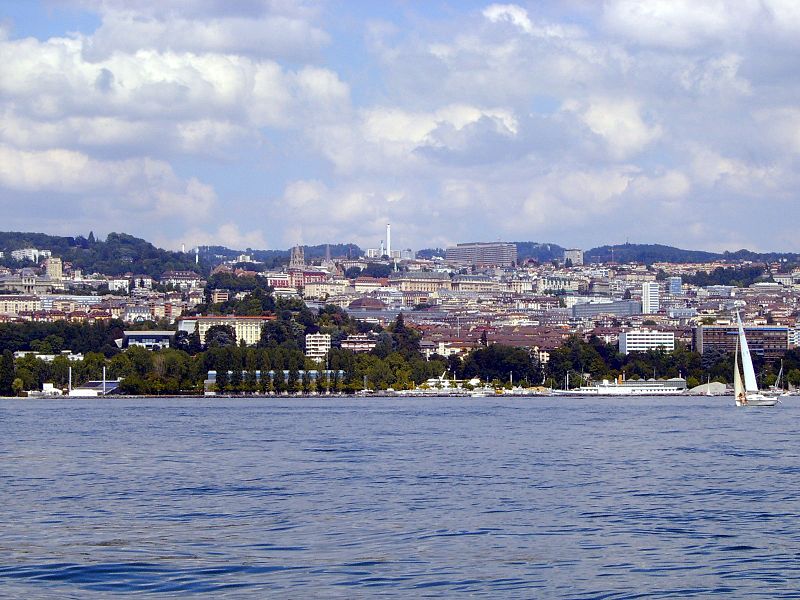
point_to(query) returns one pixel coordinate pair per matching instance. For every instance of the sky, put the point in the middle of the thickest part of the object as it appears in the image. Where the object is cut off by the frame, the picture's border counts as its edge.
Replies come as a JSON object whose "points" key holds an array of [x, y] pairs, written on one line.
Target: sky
{"points": [[268, 123]]}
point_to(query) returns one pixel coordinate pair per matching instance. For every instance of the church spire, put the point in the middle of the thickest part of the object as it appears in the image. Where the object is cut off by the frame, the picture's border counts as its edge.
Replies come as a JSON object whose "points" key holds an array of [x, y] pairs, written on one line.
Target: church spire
{"points": [[297, 260]]}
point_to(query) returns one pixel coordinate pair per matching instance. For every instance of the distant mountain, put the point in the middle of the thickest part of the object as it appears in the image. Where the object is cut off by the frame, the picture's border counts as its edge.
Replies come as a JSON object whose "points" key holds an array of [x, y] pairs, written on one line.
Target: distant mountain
{"points": [[791, 257], [651, 253], [118, 254], [647, 253]]}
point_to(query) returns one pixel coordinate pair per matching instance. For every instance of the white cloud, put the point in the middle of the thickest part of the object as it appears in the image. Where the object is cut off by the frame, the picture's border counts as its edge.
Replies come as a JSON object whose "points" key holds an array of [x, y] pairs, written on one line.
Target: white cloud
{"points": [[782, 125], [511, 13], [679, 23], [272, 29], [712, 169], [189, 102], [509, 121], [718, 75], [139, 187], [396, 133], [671, 185], [618, 121], [52, 80]]}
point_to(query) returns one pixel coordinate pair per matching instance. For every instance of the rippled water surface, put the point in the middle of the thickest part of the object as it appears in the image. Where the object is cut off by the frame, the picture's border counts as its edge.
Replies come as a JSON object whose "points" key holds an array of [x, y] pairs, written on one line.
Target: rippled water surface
{"points": [[522, 498]]}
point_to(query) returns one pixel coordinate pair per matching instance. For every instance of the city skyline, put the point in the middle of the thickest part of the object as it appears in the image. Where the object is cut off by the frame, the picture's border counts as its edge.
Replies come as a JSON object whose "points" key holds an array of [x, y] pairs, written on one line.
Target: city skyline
{"points": [[268, 124]]}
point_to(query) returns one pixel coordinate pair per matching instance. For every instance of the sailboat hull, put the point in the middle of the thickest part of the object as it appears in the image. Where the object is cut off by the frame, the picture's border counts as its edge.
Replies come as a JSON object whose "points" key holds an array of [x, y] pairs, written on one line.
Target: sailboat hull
{"points": [[757, 400]]}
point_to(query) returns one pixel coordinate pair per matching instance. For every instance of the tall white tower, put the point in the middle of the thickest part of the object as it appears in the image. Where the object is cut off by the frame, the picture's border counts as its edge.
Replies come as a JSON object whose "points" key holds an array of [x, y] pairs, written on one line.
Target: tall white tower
{"points": [[389, 240], [650, 298]]}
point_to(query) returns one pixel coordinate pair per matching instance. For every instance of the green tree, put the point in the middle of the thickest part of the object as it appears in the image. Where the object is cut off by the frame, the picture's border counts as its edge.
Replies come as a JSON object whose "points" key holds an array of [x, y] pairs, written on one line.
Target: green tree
{"points": [[294, 384], [222, 380], [250, 384], [7, 370], [220, 336], [405, 340], [236, 381], [279, 381], [499, 361], [188, 342]]}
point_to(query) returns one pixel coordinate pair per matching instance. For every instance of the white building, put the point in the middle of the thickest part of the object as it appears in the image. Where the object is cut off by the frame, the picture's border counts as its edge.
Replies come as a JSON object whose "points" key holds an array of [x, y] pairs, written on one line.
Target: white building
{"points": [[324, 289], [119, 284], [245, 328], [13, 305], [48, 358], [650, 298], [317, 345], [137, 314], [642, 340], [359, 343], [31, 254], [183, 280], [560, 283], [574, 255]]}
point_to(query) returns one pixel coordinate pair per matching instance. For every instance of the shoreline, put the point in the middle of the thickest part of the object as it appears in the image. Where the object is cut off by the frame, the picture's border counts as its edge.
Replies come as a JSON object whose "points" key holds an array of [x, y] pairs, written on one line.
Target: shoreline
{"points": [[355, 396]]}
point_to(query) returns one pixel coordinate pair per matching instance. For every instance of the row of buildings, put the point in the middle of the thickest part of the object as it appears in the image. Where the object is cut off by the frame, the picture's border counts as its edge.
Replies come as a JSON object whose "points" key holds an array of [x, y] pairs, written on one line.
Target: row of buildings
{"points": [[475, 289]]}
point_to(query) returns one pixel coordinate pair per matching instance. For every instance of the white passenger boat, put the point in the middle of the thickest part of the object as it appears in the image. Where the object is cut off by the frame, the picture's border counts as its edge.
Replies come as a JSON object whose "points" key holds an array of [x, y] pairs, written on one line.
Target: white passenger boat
{"points": [[642, 387]]}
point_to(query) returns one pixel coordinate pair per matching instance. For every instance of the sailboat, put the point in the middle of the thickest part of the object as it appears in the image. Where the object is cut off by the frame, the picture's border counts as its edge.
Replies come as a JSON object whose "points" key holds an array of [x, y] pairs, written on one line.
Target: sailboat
{"points": [[777, 388], [745, 390]]}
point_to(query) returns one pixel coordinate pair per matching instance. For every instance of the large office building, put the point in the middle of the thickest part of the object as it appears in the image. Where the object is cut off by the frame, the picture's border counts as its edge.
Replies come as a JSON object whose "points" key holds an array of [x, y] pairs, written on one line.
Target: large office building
{"points": [[650, 298], [247, 329], [769, 342], [642, 340], [480, 254], [618, 308]]}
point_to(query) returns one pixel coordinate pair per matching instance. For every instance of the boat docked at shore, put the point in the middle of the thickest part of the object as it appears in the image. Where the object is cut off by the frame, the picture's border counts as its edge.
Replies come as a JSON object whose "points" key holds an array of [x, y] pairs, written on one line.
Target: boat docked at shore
{"points": [[641, 387], [745, 386]]}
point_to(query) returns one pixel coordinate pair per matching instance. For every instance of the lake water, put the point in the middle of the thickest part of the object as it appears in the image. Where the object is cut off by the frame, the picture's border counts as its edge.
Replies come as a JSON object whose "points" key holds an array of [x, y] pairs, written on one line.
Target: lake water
{"points": [[345, 498]]}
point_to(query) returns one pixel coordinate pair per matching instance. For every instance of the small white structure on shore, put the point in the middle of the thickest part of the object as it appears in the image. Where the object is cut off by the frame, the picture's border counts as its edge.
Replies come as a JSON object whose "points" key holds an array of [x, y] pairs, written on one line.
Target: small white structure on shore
{"points": [[48, 391], [93, 389]]}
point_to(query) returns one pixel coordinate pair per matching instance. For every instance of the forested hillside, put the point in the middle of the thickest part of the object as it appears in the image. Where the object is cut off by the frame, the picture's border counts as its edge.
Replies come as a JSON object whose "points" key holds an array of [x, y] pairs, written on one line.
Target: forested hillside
{"points": [[119, 253]]}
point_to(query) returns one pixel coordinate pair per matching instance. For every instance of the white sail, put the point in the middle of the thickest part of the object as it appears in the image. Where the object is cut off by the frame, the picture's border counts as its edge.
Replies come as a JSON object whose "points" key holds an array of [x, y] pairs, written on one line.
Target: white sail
{"points": [[750, 384], [738, 388]]}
